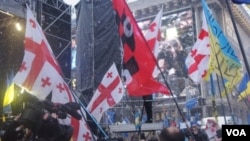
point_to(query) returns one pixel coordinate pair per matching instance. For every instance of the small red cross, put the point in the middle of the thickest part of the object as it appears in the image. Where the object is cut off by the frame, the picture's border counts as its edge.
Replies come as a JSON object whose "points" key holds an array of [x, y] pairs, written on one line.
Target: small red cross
{"points": [[32, 23], [120, 90], [203, 34], [193, 52], [109, 74], [101, 109], [152, 27], [45, 82], [23, 67], [60, 87], [204, 73], [87, 136]]}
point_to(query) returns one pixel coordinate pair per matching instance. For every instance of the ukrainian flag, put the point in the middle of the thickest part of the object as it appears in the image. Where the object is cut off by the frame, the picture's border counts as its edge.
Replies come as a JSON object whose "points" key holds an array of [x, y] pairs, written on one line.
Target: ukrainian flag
{"points": [[244, 87], [223, 60]]}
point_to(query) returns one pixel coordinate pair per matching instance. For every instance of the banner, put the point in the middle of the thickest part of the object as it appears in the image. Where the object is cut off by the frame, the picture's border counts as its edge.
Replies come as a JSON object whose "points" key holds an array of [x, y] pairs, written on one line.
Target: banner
{"points": [[139, 61], [40, 75], [198, 58], [223, 59], [108, 94]]}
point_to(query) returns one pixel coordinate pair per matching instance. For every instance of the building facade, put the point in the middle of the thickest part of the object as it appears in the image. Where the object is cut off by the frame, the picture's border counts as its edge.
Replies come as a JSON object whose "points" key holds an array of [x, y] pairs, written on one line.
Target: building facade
{"points": [[185, 17]]}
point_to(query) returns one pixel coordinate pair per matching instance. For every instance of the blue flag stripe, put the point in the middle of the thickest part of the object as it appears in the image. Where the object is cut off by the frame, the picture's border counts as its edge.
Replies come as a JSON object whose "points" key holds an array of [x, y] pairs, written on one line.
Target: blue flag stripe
{"points": [[243, 83], [241, 1], [225, 46]]}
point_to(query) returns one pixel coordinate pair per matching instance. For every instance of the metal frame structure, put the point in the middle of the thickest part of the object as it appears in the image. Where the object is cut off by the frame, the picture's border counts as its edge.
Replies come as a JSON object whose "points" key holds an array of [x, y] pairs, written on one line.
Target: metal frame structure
{"points": [[54, 17]]}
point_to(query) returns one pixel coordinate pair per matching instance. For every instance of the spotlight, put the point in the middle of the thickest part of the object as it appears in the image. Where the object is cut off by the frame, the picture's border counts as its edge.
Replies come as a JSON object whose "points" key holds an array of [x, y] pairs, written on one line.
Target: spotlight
{"points": [[18, 26]]}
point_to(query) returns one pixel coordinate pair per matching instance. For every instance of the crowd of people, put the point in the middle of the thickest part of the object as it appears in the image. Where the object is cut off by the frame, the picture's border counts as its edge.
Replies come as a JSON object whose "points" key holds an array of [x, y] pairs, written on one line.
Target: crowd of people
{"points": [[173, 133]]}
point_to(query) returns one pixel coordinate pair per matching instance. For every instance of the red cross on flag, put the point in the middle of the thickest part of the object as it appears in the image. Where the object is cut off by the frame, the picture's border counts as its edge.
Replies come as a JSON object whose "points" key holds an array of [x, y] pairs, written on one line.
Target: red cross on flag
{"points": [[41, 75], [108, 93], [82, 131], [39, 71], [198, 58]]}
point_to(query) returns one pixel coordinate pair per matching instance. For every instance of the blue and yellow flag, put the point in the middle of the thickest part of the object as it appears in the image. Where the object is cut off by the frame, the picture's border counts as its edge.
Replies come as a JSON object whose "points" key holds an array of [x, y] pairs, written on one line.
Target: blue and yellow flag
{"points": [[244, 87], [223, 60]]}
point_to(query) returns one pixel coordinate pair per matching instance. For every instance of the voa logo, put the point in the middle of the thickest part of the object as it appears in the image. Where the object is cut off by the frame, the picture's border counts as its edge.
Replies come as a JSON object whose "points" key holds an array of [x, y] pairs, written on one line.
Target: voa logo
{"points": [[236, 132]]}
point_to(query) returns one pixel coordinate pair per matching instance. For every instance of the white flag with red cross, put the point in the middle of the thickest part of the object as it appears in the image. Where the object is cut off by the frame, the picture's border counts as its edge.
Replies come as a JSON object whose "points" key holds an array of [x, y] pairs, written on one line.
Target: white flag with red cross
{"points": [[107, 95], [197, 60], [153, 37], [40, 75]]}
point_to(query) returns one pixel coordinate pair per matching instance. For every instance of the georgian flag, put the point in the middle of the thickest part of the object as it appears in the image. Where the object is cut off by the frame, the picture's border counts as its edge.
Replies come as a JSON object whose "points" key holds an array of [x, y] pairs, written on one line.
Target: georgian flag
{"points": [[153, 37], [108, 94], [40, 75], [198, 58]]}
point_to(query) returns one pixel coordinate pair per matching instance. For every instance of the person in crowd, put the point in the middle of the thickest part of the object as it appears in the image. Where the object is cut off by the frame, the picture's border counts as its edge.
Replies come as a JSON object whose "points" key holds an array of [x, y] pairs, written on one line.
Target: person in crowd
{"points": [[172, 134], [147, 101], [197, 133], [134, 138], [219, 135], [143, 137]]}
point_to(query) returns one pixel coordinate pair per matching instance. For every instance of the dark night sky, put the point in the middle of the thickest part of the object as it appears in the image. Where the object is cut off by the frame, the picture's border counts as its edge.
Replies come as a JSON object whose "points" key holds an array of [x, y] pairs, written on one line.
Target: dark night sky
{"points": [[11, 48]]}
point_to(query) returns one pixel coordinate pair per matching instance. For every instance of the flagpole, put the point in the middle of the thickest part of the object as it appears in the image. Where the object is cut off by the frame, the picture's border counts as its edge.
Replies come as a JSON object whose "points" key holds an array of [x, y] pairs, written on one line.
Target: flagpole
{"points": [[225, 88], [213, 98], [140, 119], [238, 37], [175, 101], [222, 105]]}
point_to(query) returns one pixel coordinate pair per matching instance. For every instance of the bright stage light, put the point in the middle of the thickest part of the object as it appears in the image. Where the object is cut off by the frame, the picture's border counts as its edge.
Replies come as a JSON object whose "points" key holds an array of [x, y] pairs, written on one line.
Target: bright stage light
{"points": [[18, 26], [71, 2]]}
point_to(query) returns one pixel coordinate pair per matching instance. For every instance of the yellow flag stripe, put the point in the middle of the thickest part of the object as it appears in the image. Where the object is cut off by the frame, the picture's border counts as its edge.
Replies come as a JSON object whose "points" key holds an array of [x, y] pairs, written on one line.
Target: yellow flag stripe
{"points": [[221, 65]]}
